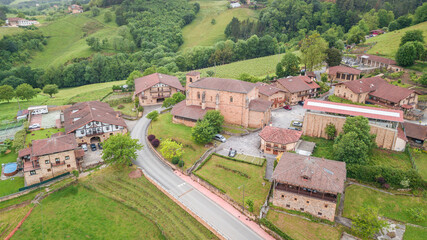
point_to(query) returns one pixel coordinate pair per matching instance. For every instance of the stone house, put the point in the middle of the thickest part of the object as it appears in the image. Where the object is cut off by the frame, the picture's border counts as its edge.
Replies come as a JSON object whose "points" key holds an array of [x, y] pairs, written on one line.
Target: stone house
{"points": [[416, 134], [93, 122], [50, 157], [308, 184], [343, 73], [237, 101], [276, 140], [378, 91], [154, 88], [384, 123], [272, 94], [297, 88], [378, 62], [73, 9]]}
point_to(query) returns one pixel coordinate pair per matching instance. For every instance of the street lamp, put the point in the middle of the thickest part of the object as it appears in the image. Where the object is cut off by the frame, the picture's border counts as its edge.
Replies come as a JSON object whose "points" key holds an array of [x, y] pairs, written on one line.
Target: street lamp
{"points": [[243, 200]]}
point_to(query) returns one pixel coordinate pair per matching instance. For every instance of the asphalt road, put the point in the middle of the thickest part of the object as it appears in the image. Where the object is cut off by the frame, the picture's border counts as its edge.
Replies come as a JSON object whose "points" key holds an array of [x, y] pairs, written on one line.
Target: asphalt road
{"points": [[218, 218]]}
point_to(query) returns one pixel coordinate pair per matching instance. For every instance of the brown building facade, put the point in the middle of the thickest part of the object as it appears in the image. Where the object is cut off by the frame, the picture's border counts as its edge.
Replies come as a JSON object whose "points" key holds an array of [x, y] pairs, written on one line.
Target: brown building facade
{"points": [[270, 93], [308, 184], [276, 140], [299, 88], [343, 73]]}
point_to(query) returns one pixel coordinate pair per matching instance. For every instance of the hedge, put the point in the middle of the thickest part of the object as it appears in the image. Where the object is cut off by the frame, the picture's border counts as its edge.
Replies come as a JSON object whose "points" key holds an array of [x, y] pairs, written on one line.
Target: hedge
{"points": [[237, 160], [391, 175], [275, 229]]}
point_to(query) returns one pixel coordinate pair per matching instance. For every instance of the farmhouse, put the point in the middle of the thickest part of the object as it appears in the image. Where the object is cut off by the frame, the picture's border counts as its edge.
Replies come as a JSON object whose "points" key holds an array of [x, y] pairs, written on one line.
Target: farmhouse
{"points": [[272, 94], [92, 122], [378, 91], [379, 62], [342, 73], [308, 184], [75, 9], [416, 134], [19, 22], [276, 140], [154, 88], [50, 157], [384, 123], [237, 101], [297, 88]]}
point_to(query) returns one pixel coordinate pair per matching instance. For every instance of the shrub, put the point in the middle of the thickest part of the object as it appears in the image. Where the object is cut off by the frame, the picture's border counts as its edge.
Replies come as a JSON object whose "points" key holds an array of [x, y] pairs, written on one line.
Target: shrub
{"points": [[140, 109], [175, 160], [250, 204], [381, 180], [151, 137], [75, 173], [386, 185], [153, 115], [181, 163], [120, 107], [417, 214], [155, 143]]}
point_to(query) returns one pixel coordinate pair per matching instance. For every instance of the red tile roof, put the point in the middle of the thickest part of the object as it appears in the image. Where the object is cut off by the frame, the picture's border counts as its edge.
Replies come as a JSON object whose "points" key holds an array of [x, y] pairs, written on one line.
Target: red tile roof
{"points": [[280, 135], [29, 166], [53, 145], [222, 84], [79, 153], [86, 112], [378, 87], [354, 110], [15, 19], [191, 112], [401, 134], [266, 89], [24, 152], [193, 73], [416, 131], [297, 84], [259, 105], [378, 59], [310, 74], [146, 82], [324, 175], [343, 69]]}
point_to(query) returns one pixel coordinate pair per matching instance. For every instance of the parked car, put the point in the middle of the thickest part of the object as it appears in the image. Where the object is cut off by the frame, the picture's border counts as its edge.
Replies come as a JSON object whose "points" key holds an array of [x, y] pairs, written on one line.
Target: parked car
{"points": [[287, 107], [294, 128], [232, 152], [220, 138], [297, 124], [301, 103], [418, 141], [93, 147], [35, 125], [84, 147], [100, 145]]}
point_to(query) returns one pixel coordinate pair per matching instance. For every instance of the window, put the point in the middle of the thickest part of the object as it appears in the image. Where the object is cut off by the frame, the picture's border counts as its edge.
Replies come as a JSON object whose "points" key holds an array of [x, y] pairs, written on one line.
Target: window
{"points": [[288, 205], [198, 95], [49, 170], [67, 157], [302, 209], [56, 159], [191, 80], [295, 199], [107, 128], [47, 161], [319, 213], [338, 75], [326, 205], [283, 196], [308, 201], [68, 165], [82, 131], [231, 99], [33, 172]]}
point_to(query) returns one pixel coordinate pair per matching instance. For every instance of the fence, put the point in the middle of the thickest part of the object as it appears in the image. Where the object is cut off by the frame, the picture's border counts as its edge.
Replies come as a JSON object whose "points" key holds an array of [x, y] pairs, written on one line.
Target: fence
{"points": [[47, 181]]}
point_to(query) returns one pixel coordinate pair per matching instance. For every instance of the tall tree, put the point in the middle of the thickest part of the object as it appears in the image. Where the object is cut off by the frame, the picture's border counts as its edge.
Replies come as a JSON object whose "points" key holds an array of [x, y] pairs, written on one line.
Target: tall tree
{"points": [[170, 149], [333, 57], [367, 222], [6, 93], [50, 89], [215, 120], [290, 63], [120, 149], [203, 132], [25, 91], [412, 36], [406, 54], [313, 50]]}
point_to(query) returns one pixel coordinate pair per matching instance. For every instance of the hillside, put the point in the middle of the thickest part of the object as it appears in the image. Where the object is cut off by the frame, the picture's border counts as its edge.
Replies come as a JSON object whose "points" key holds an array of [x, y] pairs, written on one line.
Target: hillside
{"points": [[387, 44], [201, 32], [68, 38]]}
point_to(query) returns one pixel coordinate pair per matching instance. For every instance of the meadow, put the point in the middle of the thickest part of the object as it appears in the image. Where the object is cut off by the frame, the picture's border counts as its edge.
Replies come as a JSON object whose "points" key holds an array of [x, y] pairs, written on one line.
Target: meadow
{"points": [[201, 32], [420, 161]]}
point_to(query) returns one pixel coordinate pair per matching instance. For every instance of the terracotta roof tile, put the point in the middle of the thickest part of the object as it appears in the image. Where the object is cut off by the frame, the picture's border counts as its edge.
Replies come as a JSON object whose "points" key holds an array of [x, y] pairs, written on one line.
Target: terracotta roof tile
{"points": [[280, 135], [191, 112], [378, 59], [146, 82], [297, 84], [53, 145], [24, 152], [79, 153], [416, 131], [401, 134], [266, 89], [343, 69], [222, 84], [193, 73], [324, 175], [259, 105]]}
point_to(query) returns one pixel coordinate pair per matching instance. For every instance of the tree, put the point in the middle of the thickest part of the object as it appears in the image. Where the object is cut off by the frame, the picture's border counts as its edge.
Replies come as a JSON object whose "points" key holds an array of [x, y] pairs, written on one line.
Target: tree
{"points": [[412, 36], [333, 57], [170, 149], [6, 93], [420, 14], [12, 81], [367, 222], [50, 89], [330, 130], [178, 97], [108, 16], [203, 132], [25, 91], [215, 120], [153, 115], [21, 15], [423, 79], [93, 43], [95, 11], [355, 35], [290, 63], [313, 51], [406, 55], [385, 17], [394, 25], [120, 149], [130, 81], [279, 71]]}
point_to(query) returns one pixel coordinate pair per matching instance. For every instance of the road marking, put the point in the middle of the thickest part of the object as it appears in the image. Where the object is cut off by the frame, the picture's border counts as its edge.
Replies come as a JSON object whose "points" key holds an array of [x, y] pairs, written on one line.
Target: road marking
{"points": [[189, 190], [182, 184]]}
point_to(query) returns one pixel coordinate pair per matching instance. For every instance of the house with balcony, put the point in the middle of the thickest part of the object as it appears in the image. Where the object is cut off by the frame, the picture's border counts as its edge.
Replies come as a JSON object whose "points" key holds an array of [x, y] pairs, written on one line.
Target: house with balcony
{"points": [[20, 22], [276, 140], [308, 184], [298, 88], [343, 73], [92, 122], [273, 94], [50, 157], [154, 88]]}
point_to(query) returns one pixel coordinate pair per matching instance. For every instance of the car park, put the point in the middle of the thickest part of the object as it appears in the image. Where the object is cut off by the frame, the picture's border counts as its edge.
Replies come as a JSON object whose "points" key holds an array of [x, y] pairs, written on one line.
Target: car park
{"points": [[232, 152], [220, 138], [93, 147], [287, 107], [297, 124], [84, 147]]}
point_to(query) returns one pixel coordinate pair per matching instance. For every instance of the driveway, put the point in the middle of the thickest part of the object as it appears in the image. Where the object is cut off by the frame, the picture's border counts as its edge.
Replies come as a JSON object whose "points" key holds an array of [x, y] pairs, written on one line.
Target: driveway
{"points": [[247, 145], [282, 118], [92, 157]]}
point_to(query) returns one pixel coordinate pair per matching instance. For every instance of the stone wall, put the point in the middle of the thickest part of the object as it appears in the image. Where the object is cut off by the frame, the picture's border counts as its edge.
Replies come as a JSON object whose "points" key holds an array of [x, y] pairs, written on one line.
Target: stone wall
{"points": [[102, 137], [183, 121]]}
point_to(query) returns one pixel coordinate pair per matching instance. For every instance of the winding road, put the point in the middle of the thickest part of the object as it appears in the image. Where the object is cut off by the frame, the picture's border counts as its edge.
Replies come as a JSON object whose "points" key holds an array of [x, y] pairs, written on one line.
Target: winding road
{"points": [[227, 225]]}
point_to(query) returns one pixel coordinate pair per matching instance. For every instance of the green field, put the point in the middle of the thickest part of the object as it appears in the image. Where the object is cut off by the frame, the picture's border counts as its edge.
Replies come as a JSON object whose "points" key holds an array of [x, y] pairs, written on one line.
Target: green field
{"points": [[227, 175], [65, 96], [201, 32], [41, 134], [414, 233], [302, 229], [387, 44], [11, 185], [163, 128], [9, 31], [10, 219], [420, 159], [390, 206]]}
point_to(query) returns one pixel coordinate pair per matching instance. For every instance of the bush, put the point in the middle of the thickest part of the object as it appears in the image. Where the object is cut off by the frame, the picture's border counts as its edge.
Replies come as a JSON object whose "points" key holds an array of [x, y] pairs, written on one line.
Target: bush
{"points": [[381, 180], [181, 163], [140, 109], [386, 186], [151, 137], [120, 107], [175, 160], [153, 115], [19, 140], [155, 143]]}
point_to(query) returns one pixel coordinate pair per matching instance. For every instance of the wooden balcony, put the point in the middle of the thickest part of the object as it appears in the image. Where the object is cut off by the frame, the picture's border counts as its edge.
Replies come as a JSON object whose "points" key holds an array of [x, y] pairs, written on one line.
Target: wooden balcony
{"points": [[307, 192], [56, 164]]}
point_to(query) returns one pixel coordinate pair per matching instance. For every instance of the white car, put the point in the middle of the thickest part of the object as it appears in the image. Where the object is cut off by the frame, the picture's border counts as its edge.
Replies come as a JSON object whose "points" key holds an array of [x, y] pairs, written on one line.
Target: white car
{"points": [[84, 147], [34, 126], [220, 138]]}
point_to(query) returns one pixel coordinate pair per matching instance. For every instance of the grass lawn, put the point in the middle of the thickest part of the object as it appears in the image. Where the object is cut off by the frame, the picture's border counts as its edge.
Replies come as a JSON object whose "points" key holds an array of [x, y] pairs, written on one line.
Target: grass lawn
{"points": [[201, 32], [65, 96], [390, 206], [145, 199], [10, 185], [41, 134], [323, 147], [230, 181], [163, 128], [9, 31], [420, 159], [250, 159], [414, 233], [127, 109], [387, 44], [10, 219], [299, 228]]}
